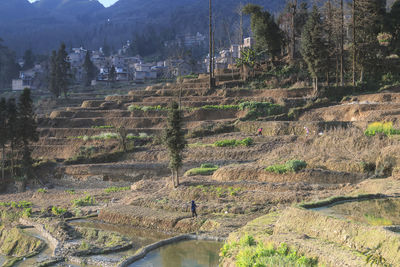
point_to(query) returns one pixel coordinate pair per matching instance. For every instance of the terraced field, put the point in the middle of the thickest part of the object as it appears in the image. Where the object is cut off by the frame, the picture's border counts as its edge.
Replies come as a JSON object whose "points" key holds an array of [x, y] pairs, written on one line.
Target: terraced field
{"points": [[328, 137]]}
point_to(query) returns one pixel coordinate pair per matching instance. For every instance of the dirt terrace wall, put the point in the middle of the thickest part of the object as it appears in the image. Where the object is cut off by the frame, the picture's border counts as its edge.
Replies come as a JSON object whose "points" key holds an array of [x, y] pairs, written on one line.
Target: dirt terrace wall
{"points": [[127, 122], [272, 128], [127, 172], [258, 173], [275, 93], [354, 235], [149, 218], [74, 132], [353, 112]]}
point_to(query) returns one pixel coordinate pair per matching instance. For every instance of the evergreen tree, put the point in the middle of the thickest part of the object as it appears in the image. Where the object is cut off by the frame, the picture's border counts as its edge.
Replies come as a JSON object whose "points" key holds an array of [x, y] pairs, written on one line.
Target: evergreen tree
{"points": [[112, 75], [12, 130], [53, 87], [89, 68], [27, 130], [267, 34], [3, 133], [29, 60], [313, 46], [62, 70], [174, 138], [8, 67], [394, 26], [369, 16]]}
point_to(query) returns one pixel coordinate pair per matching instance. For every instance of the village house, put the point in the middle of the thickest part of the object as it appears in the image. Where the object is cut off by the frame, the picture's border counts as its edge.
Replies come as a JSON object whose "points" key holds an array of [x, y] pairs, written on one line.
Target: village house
{"points": [[28, 79]]}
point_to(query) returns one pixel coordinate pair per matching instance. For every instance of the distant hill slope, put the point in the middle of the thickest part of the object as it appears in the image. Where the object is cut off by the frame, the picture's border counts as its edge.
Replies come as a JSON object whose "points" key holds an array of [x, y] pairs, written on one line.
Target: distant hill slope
{"points": [[44, 24]]}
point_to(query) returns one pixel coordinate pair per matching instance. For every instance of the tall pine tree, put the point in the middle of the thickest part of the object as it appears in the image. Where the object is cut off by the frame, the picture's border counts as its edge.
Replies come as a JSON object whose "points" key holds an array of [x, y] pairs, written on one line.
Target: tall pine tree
{"points": [[313, 46], [174, 138], [53, 87], [62, 70], [12, 130], [27, 130], [89, 69]]}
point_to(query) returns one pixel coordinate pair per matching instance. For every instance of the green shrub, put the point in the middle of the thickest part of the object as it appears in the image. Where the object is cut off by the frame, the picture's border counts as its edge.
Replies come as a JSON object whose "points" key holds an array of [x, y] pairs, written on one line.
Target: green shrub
{"points": [[115, 189], [42, 190], [85, 201], [227, 143], [233, 142], [21, 204], [70, 191], [289, 166], [250, 253], [27, 212], [58, 211], [381, 127], [247, 240], [296, 165], [260, 109], [277, 168]]}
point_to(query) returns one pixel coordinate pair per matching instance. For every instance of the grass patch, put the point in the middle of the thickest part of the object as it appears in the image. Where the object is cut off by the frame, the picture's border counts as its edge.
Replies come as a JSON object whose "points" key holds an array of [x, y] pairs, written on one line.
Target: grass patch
{"points": [[220, 107], [248, 253], [377, 221], [42, 190], [84, 201], [234, 143], [115, 189], [205, 169], [260, 109], [385, 128], [21, 204], [289, 166]]}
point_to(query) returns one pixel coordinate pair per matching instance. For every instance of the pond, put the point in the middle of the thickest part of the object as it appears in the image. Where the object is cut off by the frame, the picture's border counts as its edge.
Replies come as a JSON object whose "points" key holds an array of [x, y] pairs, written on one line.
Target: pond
{"points": [[377, 212], [183, 254]]}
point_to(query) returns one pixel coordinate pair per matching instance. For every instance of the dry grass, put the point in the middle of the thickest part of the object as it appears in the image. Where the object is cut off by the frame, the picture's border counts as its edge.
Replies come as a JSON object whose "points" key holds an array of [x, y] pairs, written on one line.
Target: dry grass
{"points": [[340, 149]]}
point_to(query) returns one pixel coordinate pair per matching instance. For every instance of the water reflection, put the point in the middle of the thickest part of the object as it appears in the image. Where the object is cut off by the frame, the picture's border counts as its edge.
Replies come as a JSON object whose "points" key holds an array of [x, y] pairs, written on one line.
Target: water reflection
{"points": [[379, 212], [183, 254]]}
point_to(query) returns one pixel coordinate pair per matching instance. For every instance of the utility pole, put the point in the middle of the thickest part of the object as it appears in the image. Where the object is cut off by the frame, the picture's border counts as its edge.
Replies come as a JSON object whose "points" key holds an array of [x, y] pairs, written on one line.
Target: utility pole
{"points": [[354, 43], [293, 37], [211, 48], [341, 43]]}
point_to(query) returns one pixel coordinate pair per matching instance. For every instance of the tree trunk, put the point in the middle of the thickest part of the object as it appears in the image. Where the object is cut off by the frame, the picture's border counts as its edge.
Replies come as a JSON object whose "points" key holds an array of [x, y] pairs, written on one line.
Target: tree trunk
{"points": [[177, 177], [173, 177], [12, 161], [3, 158]]}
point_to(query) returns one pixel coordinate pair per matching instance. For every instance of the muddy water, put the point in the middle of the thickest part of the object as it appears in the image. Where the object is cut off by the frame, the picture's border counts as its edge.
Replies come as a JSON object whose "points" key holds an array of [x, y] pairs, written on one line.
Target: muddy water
{"points": [[378, 212], [183, 254], [140, 237]]}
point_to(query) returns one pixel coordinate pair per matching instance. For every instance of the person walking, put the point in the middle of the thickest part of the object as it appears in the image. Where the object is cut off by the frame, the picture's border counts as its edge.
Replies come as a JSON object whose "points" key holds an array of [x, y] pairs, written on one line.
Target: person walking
{"points": [[194, 206]]}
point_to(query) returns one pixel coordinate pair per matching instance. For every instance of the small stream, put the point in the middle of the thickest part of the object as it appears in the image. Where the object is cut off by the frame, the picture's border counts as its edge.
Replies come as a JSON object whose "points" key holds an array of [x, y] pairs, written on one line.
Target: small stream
{"points": [[183, 254]]}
